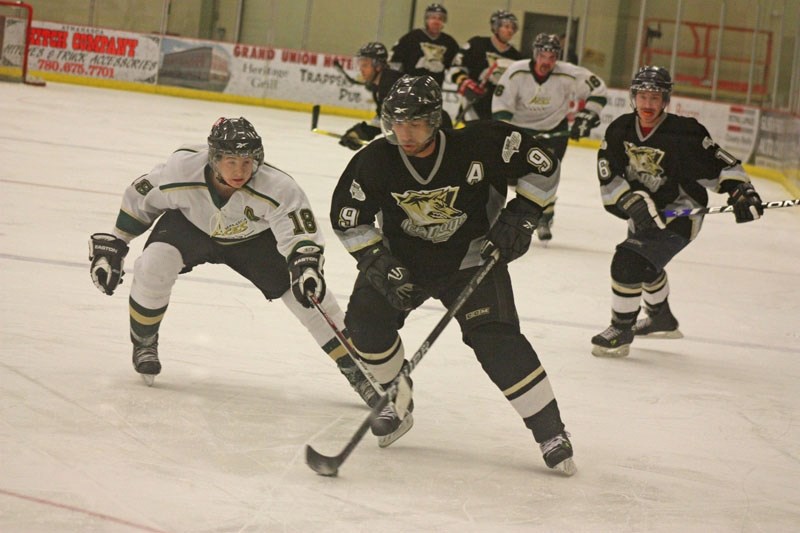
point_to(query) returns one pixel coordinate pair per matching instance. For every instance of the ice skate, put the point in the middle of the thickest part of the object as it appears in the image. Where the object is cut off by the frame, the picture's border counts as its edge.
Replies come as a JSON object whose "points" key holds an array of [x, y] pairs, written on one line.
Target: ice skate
{"points": [[145, 360], [658, 324], [557, 454], [358, 381], [389, 425], [615, 341]]}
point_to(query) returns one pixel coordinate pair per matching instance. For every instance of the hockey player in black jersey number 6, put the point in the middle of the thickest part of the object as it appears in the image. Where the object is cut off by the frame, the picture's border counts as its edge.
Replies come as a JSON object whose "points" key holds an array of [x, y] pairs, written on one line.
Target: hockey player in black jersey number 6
{"points": [[440, 195], [219, 203], [651, 160]]}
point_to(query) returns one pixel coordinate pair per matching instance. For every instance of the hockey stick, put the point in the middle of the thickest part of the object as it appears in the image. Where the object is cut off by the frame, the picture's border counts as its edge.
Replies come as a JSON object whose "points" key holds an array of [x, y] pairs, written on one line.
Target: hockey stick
{"points": [[674, 213], [465, 109], [315, 120], [344, 73], [551, 135], [329, 465], [351, 350]]}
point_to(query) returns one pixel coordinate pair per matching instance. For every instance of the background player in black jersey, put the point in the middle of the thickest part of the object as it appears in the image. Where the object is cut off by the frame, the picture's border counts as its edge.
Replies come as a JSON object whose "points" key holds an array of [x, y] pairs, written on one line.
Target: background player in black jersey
{"points": [[378, 78], [439, 195], [651, 160], [426, 51], [472, 64]]}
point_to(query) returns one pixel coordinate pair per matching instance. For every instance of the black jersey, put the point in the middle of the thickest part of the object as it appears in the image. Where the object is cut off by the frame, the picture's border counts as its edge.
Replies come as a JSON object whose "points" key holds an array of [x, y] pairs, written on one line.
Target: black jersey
{"points": [[474, 59], [674, 163], [381, 90], [434, 212], [417, 54]]}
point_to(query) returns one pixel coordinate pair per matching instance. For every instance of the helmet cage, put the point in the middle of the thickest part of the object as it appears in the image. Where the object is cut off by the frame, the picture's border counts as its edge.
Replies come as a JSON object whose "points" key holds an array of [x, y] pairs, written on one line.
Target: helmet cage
{"points": [[547, 42], [234, 137], [436, 9], [501, 16], [410, 99], [651, 79], [376, 52]]}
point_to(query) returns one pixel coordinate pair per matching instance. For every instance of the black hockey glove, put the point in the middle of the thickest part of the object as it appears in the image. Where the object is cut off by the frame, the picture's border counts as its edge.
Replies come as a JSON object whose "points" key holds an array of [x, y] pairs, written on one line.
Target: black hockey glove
{"points": [[641, 211], [390, 278], [584, 122], [107, 254], [511, 233], [746, 203], [357, 136], [305, 272]]}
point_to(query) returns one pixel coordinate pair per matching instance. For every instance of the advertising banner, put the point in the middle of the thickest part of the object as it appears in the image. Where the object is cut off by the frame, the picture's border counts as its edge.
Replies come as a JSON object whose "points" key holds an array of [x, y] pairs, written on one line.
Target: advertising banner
{"points": [[263, 72], [93, 52]]}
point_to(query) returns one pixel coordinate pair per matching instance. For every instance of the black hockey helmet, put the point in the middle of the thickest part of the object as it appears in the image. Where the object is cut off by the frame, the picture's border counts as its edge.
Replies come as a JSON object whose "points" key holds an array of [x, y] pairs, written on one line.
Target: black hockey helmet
{"points": [[652, 79], [412, 98], [500, 16], [436, 9], [237, 137], [547, 42], [375, 51]]}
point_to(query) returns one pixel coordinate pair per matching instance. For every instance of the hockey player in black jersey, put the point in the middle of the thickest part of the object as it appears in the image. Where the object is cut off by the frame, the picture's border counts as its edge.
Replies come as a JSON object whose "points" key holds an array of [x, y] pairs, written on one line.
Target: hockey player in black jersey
{"points": [[427, 50], [440, 197], [480, 63], [651, 160], [378, 78]]}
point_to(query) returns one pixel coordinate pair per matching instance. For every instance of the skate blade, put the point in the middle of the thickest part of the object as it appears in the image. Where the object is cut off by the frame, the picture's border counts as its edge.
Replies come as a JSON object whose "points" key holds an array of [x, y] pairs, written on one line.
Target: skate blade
{"points": [[566, 467], [401, 430], [621, 351], [674, 334], [148, 379]]}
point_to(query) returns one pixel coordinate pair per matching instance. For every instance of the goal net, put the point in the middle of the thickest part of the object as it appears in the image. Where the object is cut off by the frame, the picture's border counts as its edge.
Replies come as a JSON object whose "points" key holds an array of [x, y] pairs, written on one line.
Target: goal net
{"points": [[15, 28]]}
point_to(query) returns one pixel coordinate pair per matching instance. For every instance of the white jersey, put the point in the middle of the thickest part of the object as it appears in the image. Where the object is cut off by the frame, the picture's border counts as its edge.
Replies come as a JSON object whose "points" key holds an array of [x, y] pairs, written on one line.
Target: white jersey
{"points": [[523, 101], [270, 200]]}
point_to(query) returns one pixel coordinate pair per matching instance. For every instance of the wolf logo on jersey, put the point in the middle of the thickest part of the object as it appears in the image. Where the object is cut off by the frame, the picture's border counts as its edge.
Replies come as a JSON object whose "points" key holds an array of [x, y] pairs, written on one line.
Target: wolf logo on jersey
{"points": [[431, 215], [645, 164], [432, 57]]}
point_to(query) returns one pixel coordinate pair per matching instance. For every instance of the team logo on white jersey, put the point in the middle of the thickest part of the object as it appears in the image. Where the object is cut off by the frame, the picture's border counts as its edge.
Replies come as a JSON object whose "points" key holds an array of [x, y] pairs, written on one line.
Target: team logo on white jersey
{"points": [[431, 214], [644, 165]]}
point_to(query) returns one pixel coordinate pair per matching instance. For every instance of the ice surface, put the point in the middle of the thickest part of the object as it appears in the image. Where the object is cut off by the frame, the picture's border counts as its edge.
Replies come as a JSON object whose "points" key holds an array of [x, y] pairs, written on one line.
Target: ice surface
{"points": [[697, 434]]}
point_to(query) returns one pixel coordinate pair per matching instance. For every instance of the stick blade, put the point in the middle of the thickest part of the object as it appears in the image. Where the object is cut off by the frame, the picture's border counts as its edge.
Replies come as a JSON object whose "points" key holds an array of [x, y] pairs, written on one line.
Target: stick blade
{"points": [[315, 116], [322, 464]]}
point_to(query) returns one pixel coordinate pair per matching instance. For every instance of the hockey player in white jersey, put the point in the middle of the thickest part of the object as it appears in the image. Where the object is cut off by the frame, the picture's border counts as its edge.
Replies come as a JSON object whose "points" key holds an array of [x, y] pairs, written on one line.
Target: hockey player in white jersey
{"points": [[219, 203], [536, 94]]}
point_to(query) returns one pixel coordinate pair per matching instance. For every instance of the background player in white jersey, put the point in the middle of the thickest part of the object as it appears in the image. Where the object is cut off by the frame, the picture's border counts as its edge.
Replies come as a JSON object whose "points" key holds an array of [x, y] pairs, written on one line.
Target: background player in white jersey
{"points": [[536, 95], [219, 203], [426, 51], [651, 160], [439, 196], [480, 56]]}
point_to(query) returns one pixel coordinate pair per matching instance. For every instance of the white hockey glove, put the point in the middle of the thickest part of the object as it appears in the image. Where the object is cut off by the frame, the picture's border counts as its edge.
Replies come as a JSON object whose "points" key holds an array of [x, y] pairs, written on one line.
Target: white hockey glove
{"points": [[305, 272], [641, 210], [107, 254]]}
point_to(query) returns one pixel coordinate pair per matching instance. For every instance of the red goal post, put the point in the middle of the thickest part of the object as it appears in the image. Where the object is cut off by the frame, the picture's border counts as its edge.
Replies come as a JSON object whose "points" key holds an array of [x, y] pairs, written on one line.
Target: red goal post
{"points": [[15, 31]]}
